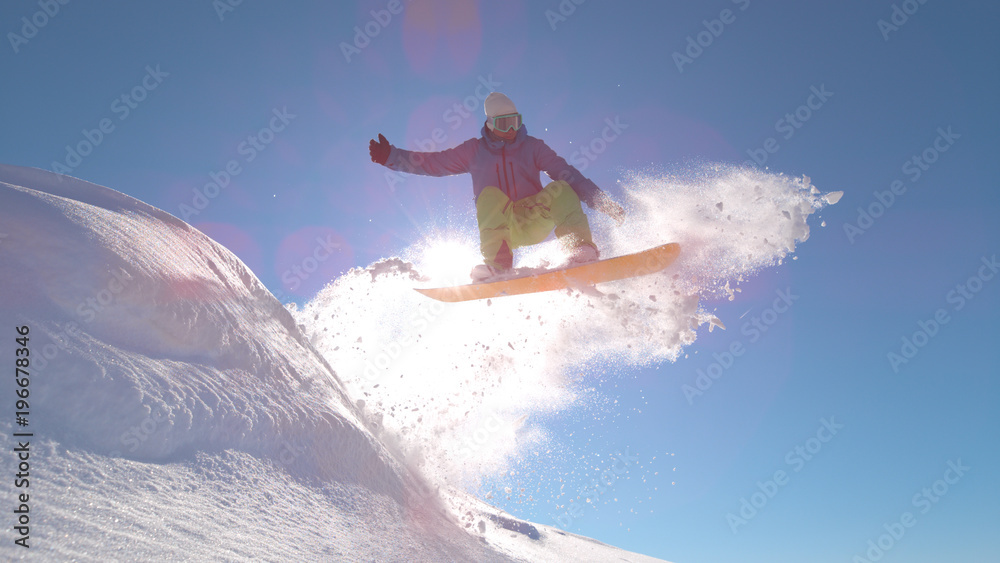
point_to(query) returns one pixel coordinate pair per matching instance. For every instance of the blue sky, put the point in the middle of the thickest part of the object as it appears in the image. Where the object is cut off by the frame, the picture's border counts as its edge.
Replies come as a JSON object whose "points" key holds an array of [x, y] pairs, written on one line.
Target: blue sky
{"points": [[269, 91]]}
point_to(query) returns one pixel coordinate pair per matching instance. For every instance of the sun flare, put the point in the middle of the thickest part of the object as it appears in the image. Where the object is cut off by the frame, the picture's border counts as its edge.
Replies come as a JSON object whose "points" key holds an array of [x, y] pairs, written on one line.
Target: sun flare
{"points": [[446, 260]]}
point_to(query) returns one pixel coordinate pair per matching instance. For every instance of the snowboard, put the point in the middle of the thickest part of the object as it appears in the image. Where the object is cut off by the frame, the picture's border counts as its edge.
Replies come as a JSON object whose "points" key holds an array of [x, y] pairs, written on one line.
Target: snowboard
{"points": [[610, 269]]}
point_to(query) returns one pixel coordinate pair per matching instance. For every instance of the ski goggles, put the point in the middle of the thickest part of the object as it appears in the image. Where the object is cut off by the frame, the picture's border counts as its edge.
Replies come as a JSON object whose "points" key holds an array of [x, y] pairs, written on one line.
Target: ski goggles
{"points": [[507, 122]]}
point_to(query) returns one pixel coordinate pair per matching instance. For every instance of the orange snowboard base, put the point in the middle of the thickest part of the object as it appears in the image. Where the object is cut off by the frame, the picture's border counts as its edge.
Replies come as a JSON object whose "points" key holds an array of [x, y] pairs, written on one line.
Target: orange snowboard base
{"points": [[612, 269]]}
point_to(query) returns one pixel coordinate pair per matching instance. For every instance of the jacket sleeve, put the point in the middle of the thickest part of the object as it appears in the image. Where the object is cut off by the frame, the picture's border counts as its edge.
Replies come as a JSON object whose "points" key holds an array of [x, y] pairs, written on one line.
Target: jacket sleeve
{"points": [[442, 163], [557, 168]]}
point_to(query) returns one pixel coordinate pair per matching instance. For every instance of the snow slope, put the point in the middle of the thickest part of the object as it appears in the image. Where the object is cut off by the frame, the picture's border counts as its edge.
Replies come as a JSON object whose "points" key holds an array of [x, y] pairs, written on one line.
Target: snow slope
{"points": [[178, 412]]}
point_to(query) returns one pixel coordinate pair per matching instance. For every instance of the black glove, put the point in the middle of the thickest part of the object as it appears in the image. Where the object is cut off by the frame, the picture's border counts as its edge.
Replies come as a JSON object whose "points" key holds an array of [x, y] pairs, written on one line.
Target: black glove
{"points": [[379, 150]]}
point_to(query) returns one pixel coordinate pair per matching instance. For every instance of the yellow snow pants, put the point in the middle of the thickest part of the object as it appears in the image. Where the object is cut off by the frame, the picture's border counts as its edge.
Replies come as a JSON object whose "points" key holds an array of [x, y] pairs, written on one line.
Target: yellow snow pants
{"points": [[505, 225]]}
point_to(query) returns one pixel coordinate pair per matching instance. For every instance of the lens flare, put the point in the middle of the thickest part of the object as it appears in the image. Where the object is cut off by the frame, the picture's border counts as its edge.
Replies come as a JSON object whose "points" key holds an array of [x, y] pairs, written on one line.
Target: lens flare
{"points": [[448, 260]]}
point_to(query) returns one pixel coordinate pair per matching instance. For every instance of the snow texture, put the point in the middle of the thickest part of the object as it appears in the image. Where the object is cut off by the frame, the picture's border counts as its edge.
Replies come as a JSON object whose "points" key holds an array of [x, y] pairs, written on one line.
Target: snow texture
{"points": [[179, 411]]}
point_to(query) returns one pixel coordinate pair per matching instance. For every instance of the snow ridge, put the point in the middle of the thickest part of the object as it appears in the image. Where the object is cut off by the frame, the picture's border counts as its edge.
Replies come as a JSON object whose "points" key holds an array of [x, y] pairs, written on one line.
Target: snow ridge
{"points": [[178, 411], [139, 306]]}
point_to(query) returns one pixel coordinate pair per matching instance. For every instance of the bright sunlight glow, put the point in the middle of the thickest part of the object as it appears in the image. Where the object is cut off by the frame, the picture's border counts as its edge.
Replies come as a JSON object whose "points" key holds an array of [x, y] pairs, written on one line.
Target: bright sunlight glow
{"points": [[448, 260]]}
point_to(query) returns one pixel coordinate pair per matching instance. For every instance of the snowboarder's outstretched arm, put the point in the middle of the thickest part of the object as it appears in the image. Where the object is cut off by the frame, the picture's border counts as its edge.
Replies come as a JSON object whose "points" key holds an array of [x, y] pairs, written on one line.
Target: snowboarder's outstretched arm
{"points": [[557, 168], [440, 163]]}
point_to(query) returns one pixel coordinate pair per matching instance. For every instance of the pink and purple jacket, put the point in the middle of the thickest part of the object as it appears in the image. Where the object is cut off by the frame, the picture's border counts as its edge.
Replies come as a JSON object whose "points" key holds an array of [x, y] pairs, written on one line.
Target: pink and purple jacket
{"points": [[513, 166]]}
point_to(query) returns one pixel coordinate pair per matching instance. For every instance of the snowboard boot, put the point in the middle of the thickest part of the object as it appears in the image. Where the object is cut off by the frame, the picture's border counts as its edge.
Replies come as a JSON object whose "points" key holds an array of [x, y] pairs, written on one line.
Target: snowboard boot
{"points": [[482, 273], [584, 253], [502, 262]]}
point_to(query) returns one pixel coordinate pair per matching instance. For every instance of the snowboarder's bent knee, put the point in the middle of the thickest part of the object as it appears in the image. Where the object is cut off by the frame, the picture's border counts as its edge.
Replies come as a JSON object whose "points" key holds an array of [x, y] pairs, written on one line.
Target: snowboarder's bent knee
{"points": [[513, 208]]}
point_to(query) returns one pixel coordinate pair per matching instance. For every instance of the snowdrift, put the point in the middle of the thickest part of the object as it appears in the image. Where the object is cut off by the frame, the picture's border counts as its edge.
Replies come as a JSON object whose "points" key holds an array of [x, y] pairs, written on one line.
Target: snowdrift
{"points": [[176, 409]]}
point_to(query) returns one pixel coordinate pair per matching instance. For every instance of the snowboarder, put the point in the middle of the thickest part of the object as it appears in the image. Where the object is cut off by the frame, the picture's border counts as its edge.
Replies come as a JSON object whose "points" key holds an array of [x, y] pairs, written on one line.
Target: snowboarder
{"points": [[512, 207]]}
